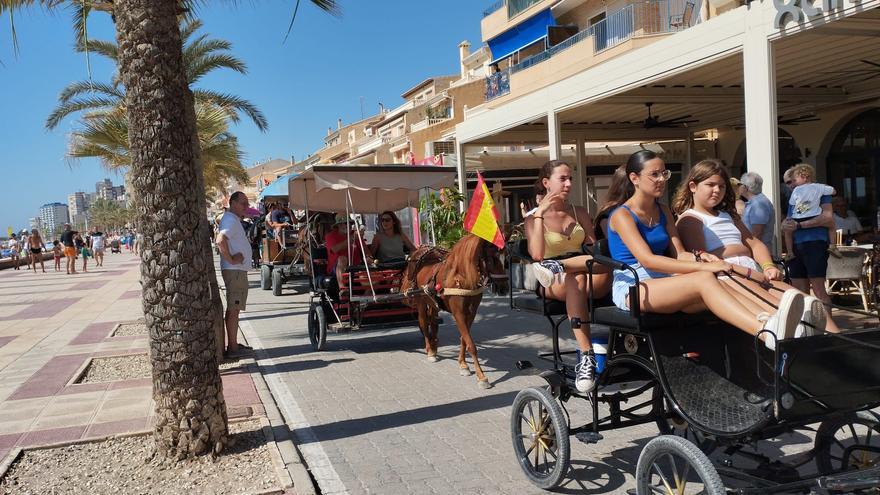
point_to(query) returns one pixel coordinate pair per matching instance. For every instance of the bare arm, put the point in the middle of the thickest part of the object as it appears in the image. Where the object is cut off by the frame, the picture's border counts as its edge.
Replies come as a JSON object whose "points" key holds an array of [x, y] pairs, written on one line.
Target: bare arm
{"points": [[623, 223], [758, 229], [824, 219], [408, 243], [223, 247], [690, 228]]}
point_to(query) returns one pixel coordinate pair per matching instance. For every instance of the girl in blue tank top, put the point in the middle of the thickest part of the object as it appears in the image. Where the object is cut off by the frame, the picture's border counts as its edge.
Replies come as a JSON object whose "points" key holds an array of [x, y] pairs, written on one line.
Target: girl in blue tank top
{"points": [[642, 234]]}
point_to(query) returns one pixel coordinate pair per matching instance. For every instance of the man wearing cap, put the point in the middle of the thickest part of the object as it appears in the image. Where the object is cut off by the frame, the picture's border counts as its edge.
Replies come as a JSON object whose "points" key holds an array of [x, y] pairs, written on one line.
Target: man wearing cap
{"points": [[234, 245], [337, 248], [69, 248]]}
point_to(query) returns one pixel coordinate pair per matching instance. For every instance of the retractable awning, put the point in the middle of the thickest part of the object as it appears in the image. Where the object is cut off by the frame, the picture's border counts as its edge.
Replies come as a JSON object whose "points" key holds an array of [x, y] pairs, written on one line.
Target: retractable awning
{"points": [[521, 35], [277, 188]]}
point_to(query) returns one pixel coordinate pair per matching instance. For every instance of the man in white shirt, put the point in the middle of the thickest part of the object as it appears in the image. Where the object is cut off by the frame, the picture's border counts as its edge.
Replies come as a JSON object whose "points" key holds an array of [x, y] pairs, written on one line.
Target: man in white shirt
{"points": [[845, 219], [235, 255], [14, 249]]}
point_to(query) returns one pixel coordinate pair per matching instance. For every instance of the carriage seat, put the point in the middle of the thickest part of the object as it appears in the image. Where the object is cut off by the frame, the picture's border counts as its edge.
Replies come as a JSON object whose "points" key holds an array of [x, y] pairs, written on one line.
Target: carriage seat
{"points": [[616, 317]]}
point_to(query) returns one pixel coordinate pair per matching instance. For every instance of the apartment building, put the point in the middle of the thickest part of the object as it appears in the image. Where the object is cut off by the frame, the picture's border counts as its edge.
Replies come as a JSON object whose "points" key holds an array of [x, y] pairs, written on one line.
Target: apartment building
{"points": [[762, 84]]}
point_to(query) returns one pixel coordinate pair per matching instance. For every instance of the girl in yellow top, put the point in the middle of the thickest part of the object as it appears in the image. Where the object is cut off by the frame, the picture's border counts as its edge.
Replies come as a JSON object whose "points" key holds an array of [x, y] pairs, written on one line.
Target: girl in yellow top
{"points": [[556, 228]]}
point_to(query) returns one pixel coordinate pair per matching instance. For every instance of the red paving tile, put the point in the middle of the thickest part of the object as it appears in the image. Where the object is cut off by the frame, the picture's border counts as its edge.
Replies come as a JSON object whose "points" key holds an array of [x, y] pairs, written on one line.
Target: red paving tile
{"points": [[6, 340], [54, 435], [96, 430], [80, 388], [238, 389], [134, 383], [131, 294], [94, 333], [9, 441], [51, 378], [95, 284], [44, 309]]}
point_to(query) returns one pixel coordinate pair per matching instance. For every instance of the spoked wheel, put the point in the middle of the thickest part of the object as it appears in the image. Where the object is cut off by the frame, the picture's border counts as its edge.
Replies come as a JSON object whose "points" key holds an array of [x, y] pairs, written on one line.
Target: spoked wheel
{"points": [[673, 424], [671, 465], [265, 277], [540, 437], [317, 326], [847, 443]]}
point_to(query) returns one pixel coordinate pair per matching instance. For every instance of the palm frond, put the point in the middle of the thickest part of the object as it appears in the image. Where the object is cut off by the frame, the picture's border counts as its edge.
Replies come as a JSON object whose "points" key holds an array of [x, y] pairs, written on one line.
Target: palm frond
{"points": [[105, 48], [208, 63], [189, 27], [64, 109], [233, 104], [329, 6], [79, 88]]}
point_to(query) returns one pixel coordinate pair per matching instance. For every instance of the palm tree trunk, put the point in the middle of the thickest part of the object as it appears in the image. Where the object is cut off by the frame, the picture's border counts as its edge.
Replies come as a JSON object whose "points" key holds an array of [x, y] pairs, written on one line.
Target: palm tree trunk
{"points": [[176, 263]]}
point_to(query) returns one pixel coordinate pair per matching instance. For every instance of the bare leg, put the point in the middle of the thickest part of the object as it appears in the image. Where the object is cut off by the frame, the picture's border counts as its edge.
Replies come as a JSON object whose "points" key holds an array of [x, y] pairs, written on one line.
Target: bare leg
{"points": [[672, 294], [747, 298], [231, 330], [42, 265], [574, 291], [341, 266]]}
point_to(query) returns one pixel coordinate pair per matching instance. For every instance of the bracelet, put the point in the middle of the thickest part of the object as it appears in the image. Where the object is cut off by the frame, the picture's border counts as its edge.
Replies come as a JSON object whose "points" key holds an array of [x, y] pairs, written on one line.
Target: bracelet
{"points": [[697, 254], [749, 273], [536, 216], [767, 265]]}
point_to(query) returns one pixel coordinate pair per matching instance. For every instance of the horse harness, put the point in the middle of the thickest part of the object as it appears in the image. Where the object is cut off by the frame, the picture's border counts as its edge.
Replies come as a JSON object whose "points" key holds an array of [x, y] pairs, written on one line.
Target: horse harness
{"points": [[433, 288]]}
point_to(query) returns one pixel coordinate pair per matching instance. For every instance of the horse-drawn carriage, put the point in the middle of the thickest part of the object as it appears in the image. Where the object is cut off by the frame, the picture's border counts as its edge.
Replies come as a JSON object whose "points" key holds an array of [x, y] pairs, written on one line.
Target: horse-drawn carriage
{"points": [[281, 254], [369, 295], [715, 394]]}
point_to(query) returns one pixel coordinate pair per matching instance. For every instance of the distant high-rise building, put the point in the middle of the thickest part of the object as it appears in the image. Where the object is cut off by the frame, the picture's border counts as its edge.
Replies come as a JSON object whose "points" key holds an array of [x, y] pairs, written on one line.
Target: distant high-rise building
{"points": [[37, 223], [53, 215], [104, 189], [77, 208]]}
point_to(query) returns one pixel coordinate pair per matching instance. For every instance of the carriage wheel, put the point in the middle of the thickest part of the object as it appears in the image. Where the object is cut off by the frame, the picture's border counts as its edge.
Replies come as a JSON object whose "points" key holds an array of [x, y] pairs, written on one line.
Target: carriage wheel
{"points": [[277, 279], [673, 424], [674, 466], [265, 277], [850, 442], [540, 437], [317, 326]]}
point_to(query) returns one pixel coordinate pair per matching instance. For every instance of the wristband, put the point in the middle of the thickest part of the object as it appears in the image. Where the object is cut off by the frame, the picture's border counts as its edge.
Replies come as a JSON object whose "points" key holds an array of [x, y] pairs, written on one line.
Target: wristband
{"points": [[697, 254], [749, 273], [767, 265], [536, 216]]}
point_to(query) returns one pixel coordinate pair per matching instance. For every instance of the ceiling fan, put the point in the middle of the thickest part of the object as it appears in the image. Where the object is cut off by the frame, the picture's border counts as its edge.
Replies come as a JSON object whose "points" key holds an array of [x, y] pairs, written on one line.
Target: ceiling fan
{"points": [[870, 72], [653, 121]]}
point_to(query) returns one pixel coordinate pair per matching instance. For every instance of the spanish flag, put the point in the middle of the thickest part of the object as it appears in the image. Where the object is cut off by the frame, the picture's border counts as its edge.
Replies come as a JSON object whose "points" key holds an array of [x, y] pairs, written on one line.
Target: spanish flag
{"points": [[481, 218]]}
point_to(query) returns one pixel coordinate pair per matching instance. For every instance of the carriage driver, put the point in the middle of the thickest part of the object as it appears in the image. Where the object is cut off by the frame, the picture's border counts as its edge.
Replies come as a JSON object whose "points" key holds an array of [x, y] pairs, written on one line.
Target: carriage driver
{"points": [[336, 241]]}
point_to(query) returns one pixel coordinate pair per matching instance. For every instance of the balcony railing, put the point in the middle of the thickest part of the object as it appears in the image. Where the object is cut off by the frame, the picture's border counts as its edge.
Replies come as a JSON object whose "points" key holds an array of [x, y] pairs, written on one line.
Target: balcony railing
{"points": [[514, 7], [645, 18], [492, 8], [498, 84], [424, 124]]}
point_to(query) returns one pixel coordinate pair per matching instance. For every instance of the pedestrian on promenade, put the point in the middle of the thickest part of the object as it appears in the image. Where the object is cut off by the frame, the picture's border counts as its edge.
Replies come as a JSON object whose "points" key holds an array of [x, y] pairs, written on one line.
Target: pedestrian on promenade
{"points": [[234, 262], [58, 252], [69, 248], [36, 249], [14, 247], [83, 249], [25, 248], [759, 215], [96, 239]]}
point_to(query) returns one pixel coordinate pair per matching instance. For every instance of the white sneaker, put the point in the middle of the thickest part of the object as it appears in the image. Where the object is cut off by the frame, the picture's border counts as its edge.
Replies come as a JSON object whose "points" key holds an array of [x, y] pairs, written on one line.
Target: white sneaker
{"points": [[788, 316], [585, 372], [814, 317], [769, 326], [546, 271]]}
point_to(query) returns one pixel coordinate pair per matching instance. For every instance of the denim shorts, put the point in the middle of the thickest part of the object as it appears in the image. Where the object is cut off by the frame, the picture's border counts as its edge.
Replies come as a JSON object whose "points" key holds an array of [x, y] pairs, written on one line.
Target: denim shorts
{"points": [[623, 280], [810, 260]]}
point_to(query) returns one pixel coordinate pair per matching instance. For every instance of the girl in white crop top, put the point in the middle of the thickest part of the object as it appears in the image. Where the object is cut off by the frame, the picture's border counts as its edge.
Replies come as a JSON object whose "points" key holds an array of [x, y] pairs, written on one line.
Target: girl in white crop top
{"points": [[709, 225]]}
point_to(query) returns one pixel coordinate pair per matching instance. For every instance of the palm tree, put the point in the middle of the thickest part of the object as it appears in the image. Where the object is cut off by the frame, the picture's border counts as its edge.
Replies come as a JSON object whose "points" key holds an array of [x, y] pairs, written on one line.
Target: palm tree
{"points": [[177, 270], [103, 131]]}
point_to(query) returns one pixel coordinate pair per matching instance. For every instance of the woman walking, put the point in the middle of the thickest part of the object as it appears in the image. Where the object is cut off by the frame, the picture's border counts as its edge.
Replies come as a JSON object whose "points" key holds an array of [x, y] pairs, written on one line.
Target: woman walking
{"points": [[36, 249]]}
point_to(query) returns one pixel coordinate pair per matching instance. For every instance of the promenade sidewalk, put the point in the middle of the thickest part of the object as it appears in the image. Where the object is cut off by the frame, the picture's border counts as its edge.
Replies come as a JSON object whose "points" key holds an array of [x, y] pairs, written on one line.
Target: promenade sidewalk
{"points": [[51, 325]]}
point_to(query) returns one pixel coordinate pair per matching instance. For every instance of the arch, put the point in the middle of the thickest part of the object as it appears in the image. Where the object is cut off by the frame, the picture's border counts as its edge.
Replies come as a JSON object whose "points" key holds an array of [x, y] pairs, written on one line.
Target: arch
{"points": [[835, 129], [853, 162], [788, 152]]}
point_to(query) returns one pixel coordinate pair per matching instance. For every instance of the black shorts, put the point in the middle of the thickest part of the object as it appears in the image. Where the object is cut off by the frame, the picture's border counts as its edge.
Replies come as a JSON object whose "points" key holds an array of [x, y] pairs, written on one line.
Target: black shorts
{"points": [[810, 260], [36, 250]]}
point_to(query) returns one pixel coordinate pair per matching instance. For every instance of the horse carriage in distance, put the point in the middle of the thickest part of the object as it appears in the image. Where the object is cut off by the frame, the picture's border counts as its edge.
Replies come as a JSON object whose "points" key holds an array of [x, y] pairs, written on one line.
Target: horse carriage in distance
{"points": [[721, 402], [282, 254]]}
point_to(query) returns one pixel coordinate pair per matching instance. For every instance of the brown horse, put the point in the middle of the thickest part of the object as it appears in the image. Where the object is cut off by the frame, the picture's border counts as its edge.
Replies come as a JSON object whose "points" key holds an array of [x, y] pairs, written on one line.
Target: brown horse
{"points": [[454, 282]]}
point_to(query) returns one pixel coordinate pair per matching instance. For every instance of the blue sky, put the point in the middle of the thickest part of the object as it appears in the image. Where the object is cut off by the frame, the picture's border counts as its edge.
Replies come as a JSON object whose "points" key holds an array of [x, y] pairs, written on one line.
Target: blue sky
{"points": [[376, 50]]}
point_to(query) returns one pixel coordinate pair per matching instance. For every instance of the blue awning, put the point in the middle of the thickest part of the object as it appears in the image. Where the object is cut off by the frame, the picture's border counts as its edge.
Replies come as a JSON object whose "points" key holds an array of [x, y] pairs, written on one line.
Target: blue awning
{"points": [[521, 35], [278, 187]]}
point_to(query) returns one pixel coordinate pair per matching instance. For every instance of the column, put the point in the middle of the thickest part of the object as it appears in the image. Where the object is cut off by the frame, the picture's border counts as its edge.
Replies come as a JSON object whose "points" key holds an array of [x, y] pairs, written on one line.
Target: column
{"points": [[688, 156], [462, 172], [553, 135], [762, 139], [580, 175]]}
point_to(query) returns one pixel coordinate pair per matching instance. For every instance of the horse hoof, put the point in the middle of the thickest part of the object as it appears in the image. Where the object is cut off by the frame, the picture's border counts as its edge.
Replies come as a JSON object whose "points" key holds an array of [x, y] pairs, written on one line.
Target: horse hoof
{"points": [[464, 372], [433, 359], [484, 384]]}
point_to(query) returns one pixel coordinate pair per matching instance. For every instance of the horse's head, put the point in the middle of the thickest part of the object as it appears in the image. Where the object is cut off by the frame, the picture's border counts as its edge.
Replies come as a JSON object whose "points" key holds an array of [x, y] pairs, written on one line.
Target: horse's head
{"points": [[492, 268]]}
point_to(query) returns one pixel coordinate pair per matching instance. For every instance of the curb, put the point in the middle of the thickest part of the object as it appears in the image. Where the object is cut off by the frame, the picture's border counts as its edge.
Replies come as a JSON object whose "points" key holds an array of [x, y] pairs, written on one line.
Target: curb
{"points": [[291, 460]]}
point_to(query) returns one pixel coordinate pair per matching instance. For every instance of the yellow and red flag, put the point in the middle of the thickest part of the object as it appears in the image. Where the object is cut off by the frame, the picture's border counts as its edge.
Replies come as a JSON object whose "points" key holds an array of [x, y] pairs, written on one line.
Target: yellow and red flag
{"points": [[481, 218]]}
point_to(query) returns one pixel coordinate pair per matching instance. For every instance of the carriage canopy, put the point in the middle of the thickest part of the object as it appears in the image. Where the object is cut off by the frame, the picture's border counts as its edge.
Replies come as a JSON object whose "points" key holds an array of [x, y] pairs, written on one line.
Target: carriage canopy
{"points": [[277, 189], [373, 188]]}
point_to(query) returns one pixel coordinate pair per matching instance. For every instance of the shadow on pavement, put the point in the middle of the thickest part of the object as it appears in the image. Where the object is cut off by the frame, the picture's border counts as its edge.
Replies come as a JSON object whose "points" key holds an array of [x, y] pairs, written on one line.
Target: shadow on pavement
{"points": [[361, 426], [309, 364]]}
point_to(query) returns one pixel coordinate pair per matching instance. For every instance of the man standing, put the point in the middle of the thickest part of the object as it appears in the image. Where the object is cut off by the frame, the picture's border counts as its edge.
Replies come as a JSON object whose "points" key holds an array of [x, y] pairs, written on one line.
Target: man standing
{"points": [[759, 215], [97, 241], [69, 248], [234, 246]]}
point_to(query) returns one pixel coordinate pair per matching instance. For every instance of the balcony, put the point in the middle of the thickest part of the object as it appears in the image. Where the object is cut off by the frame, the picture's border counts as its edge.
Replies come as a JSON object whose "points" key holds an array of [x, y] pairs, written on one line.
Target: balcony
{"points": [[514, 7], [498, 84], [653, 17], [424, 124]]}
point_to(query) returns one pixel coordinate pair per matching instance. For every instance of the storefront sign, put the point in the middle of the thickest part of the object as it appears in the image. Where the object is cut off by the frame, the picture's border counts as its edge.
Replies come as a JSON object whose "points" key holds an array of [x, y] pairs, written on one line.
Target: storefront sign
{"points": [[800, 10]]}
